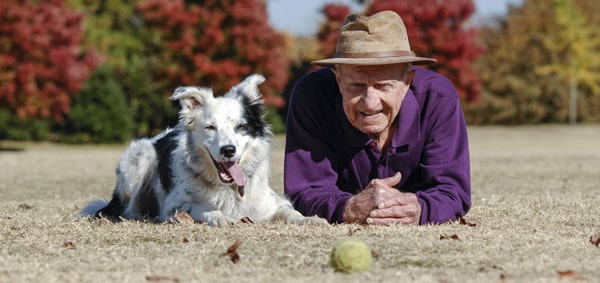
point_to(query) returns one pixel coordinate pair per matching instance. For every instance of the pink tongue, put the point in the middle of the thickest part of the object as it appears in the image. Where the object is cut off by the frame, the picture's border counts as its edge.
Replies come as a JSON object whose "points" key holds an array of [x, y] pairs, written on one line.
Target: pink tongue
{"points": [[236, 173]]}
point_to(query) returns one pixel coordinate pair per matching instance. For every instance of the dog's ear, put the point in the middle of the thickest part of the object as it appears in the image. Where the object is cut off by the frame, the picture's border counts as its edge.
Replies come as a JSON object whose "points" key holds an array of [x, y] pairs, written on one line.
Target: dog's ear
{"points": [[248, 88], [190, 98]]}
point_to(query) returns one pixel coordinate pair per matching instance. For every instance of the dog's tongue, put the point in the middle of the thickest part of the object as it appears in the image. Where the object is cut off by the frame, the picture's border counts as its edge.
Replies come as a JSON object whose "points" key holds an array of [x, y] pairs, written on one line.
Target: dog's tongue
{"points": [[236, 173]]}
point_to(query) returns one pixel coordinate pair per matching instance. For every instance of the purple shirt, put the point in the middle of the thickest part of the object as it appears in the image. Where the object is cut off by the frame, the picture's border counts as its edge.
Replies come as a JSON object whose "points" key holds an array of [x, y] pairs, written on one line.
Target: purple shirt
{"points": [[327, 160]]}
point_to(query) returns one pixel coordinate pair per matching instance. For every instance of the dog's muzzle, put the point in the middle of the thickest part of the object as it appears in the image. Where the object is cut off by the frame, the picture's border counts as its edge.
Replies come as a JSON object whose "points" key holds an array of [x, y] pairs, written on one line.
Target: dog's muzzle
{"points": [[230, 171]]}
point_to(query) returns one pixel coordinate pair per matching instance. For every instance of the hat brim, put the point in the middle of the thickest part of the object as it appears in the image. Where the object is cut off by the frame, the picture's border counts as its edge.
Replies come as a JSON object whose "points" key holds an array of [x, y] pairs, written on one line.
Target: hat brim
{"points": [[374, 61]]}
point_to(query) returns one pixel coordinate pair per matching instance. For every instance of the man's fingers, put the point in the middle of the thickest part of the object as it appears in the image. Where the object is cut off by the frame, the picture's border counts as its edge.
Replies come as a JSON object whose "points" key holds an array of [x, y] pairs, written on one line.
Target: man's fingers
{"points": [[392, 181], [399, 199], [390, 221]]}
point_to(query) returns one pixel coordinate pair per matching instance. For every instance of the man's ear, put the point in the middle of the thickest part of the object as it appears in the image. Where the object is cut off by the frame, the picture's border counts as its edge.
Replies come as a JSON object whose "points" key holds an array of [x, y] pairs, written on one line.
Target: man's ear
{"points": [[409, 77], [337, 75]]}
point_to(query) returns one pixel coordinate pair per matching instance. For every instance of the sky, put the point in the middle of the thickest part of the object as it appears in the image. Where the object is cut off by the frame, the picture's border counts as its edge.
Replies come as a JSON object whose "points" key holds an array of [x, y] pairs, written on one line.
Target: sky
{"points": [[302, 17]]}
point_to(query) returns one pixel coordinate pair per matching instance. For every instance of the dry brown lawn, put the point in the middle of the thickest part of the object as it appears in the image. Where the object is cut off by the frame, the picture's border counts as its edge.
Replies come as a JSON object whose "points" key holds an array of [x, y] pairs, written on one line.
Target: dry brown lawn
{"points": [[536, 207]]}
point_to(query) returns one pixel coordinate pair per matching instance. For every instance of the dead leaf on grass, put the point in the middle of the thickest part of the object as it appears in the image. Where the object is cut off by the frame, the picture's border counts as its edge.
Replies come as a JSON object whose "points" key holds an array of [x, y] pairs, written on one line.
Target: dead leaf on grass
{"points": [[4, 217], [246, 220], [185, 240], [449, 237], [69, 245], [492, 267], [161, 278], [25, 206], [462, 221], [570, 274], [184, 218], [351, 232], [595, 239], [232, 252]]}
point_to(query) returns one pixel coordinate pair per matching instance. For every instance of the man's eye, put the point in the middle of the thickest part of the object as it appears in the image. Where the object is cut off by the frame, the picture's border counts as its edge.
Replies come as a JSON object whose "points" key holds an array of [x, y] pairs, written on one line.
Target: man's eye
{"points": [[209, 127], [243, 127]]}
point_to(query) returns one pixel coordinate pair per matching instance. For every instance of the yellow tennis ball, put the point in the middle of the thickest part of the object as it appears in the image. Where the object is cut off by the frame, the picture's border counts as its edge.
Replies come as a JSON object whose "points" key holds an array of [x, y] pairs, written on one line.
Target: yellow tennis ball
{"points": [[351, 255]]}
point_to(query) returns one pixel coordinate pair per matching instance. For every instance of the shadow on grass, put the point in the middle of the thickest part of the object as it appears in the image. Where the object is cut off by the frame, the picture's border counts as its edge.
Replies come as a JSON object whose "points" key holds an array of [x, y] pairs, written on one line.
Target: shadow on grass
{"points": [[4, 148]]}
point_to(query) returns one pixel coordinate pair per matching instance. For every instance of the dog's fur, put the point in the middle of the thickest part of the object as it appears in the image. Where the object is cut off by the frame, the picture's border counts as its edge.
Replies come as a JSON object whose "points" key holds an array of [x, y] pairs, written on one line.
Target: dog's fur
{"points": [[213, 165]]}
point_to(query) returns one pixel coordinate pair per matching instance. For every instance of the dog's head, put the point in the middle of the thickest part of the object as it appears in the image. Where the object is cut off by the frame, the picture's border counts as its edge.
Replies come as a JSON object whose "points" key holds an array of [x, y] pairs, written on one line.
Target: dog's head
{"points": [[224, 126]]}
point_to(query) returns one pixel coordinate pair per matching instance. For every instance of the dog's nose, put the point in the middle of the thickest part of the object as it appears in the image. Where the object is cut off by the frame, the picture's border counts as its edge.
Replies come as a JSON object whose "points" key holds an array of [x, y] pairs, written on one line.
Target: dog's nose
{"points": [[228, 151]]}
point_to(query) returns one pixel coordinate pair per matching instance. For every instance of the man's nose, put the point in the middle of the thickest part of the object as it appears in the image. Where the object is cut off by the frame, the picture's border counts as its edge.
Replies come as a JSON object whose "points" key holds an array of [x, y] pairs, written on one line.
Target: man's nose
{"points": [[371, 98]]}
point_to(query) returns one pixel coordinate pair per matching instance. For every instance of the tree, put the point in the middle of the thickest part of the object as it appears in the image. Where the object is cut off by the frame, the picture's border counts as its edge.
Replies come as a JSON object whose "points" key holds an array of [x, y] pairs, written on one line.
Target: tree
{"points": [[42, 61], [328, 32], [435, 29], [100, 113], [216, 43], [155, 46], [515, 91], [574, 48]]}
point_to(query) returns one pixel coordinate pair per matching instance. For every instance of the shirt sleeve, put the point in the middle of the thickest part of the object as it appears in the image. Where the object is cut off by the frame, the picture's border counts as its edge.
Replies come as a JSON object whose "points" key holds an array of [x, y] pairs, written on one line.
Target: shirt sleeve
{"points": [[444, 168], [309, 177]]}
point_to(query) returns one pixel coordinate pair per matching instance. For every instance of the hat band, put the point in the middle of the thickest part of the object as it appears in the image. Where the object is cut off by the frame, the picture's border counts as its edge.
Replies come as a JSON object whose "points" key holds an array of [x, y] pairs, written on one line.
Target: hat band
{"points": [[382, 54]]}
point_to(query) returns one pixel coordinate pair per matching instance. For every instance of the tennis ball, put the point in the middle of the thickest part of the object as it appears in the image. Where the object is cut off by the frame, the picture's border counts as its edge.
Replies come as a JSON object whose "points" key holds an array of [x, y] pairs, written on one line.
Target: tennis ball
{"points": [[351, 255]]}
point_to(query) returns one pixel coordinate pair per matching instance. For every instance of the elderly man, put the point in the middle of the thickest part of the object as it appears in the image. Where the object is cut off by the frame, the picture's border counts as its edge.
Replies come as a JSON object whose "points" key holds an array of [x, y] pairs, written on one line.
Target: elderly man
{"points": [[372, 139]]}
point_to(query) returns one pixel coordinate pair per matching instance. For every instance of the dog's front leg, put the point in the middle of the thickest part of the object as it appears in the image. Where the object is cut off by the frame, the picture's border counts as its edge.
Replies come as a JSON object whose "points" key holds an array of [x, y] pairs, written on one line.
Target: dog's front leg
{"points": [[289, 215], [205, 213]]}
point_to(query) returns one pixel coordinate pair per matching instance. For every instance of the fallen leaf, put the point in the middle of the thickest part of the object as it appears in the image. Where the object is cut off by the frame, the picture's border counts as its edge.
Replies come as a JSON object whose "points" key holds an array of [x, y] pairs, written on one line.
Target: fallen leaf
{"points": [[492, 267], [462, 221], [449, 237], [595, 239], [570, 274], [351, 232], [232, 252], [25, 206], [161, 278], [69, 245], [185, 240], [184, 218], [246, 220]]}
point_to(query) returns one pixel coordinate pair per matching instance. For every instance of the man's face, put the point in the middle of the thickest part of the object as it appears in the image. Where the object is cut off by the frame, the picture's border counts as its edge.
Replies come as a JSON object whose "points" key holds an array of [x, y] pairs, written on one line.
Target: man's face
{"points": [[372, 95]]}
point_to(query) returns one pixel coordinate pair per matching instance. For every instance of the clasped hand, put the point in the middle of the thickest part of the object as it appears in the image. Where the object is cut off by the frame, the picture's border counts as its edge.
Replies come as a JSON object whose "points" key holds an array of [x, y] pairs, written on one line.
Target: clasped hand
{"points": [[381, 204]]}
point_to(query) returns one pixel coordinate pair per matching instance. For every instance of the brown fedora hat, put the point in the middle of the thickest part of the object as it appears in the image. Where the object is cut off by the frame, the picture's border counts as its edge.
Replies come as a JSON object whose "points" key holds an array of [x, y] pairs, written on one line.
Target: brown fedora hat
{"points": [[379, 39]]}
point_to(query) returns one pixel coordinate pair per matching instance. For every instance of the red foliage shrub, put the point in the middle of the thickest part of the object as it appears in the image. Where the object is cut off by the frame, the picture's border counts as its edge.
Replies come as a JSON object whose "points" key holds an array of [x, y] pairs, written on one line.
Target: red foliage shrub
{"points": [[218, 43], [42, 62]]}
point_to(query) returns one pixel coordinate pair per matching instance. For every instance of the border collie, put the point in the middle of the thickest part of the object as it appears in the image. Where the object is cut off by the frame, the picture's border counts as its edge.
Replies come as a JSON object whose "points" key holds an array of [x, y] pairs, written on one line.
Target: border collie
{"points": [[213, 165]]}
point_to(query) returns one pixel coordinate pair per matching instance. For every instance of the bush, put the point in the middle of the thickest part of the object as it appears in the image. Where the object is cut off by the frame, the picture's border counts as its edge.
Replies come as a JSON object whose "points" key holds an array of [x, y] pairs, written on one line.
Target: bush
{"points": [[13, 128], [100, 113]]}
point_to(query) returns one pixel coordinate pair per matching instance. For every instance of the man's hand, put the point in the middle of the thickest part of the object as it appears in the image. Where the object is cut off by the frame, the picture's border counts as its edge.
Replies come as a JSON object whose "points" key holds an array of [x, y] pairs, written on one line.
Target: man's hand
{"points": [[381, 204]]}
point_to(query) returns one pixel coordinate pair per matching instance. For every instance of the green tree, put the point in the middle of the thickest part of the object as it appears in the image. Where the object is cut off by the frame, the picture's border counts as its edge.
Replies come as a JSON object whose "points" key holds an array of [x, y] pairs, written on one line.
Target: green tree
{"points": [[574, 50], [515, 91], [155, 46], [100, 113], [117, 29]]}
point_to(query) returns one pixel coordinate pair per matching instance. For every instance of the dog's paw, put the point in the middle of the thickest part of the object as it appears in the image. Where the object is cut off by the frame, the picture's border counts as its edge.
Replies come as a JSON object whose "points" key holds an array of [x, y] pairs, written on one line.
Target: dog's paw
{"points": [[218, 219], [303, 220]]}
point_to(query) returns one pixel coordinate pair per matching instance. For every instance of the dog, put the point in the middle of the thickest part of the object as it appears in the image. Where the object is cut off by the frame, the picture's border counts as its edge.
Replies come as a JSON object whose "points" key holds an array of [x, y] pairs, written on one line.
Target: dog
{"points": [[214, 165]]}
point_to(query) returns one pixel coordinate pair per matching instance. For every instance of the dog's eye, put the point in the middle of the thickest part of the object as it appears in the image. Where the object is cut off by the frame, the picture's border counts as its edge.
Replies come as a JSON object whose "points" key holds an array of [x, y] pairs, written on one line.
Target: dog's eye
{"points": [[209, 127], [242, 127]]}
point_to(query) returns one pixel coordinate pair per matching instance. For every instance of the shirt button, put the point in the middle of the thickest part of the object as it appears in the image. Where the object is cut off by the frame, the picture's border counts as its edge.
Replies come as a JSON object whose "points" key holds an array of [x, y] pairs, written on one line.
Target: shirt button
{"points": [[372, 144]]}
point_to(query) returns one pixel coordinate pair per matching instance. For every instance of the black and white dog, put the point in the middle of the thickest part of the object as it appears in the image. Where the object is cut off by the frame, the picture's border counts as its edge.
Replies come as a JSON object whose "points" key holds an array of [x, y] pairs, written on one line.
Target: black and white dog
{"points": [[214, 165]]}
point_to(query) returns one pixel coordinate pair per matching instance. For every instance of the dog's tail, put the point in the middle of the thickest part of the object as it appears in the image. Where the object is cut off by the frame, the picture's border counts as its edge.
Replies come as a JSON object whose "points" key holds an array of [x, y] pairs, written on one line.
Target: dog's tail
{"points": [[92, 208], [104, 208]]}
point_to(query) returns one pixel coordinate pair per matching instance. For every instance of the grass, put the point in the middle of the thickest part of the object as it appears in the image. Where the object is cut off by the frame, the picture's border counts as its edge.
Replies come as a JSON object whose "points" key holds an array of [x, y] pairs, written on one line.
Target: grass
{"points": [[536, 193]]}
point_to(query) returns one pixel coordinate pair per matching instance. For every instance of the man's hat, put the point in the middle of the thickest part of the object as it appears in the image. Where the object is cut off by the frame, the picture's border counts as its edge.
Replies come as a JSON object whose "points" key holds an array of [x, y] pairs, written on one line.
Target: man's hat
{"points": [[376, 40]]}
